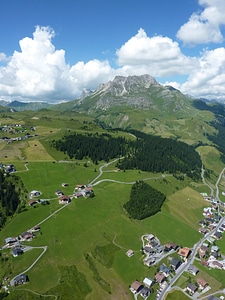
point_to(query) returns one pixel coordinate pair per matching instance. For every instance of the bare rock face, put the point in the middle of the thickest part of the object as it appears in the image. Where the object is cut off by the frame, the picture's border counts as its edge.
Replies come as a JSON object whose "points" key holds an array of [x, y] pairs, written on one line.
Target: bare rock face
{"points": [[134, 91]]}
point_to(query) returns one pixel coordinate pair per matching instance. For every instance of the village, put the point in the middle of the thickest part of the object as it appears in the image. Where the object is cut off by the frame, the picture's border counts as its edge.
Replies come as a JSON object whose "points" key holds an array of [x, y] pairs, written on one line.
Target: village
{"points": [[18, 244], [180, 259]]}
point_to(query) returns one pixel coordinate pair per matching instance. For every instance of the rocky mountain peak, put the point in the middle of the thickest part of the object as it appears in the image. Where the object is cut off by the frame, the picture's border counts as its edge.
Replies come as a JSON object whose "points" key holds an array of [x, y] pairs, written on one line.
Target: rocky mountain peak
{"points": [[122, 85]]}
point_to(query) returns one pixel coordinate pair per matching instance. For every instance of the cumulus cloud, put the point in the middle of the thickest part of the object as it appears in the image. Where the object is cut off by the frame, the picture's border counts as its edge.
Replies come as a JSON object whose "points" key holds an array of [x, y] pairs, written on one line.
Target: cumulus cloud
{"points": [[157, 55], [39, 72], [205, 26], [208, 79]]}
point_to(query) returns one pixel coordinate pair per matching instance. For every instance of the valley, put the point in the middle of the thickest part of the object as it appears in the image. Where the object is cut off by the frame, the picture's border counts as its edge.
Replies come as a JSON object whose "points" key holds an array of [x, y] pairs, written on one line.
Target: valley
{"points": [[86, 240]]}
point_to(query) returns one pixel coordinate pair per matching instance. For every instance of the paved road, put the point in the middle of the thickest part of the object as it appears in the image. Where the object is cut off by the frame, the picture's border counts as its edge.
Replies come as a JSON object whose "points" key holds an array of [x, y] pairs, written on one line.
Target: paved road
{"points": [[31, 266]]}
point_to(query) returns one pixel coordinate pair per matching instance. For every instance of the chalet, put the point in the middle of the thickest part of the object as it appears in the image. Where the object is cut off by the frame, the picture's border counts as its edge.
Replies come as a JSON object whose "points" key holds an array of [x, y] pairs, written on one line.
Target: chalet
{"points": [[204, 263], [32, 202], [150, 237], [160, 277], [202, 283], [203, 230], [165, 270], [175, 263], [59, 193], [17, 251], [191, 288], [136, 287], [64, 199], [130, 253], [215, 248], [35, 193], [217, 235], [26, 236], [21, 279], [202, 223], [214, 255], [35, 228], [210, 239], [145, 292], [193, 270], [170, 246], [10, 241], [80, 187], [216, 264], [203, 251], [148, 282], [184, 252]]}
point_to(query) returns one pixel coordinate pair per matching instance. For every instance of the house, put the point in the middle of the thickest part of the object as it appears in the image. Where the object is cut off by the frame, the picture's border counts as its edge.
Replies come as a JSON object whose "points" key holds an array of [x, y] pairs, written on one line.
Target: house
{"points": [[136, 287], [217, 235], [204, 263], [26, 236], [165, 270], [150, 237], [211, 240], [160, 277], [203, 230], [193, 270], [59, 193], [145, 292], [191, 288], [203, 251], [64, 199], [216, 264], [17, 251], [35, 193], [130, 253], [148, 282], [184, 252], [21, 279], [170, 246], [32, 202], [175, 263], [215, 248], [202, 283], [10, 241]]}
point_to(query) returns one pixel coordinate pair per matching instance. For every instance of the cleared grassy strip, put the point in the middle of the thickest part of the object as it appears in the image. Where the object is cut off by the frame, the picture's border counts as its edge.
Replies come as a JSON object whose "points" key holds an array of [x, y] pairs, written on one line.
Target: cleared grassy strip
{"points": [[35, 151], [187, 205]]}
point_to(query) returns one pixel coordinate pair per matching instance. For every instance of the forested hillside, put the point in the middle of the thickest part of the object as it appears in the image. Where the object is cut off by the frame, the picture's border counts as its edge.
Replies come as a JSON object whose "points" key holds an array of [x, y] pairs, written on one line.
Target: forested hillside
{"points": [[146, 153], [156, 154], [10, 188]]}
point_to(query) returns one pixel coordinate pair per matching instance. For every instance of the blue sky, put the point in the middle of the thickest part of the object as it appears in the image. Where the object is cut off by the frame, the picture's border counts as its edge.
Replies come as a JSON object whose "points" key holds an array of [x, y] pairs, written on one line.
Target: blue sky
{"points": [[53, 50]]}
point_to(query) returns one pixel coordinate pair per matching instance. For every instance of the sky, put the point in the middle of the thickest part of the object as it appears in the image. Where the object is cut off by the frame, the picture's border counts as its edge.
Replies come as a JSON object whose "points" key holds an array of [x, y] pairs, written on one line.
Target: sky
{"points": [[52, 51]]}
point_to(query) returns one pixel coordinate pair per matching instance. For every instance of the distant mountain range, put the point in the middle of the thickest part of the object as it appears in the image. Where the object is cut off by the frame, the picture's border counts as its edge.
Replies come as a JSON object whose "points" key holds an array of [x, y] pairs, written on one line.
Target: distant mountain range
{"points": [[21, 106], [141, 103]]}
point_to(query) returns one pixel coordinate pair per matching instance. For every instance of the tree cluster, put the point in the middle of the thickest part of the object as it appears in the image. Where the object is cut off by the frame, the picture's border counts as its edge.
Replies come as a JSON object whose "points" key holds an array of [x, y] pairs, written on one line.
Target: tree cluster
{"points": [[9, 197], [94, 146], [148, 153], [144, 202], [156, 154]]}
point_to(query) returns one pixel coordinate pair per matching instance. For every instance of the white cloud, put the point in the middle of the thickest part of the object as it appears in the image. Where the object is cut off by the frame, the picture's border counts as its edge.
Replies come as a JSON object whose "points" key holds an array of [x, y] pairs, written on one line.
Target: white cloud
{"points": [[157, 55], [39, 72], [208, 79], [205, 26]]}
